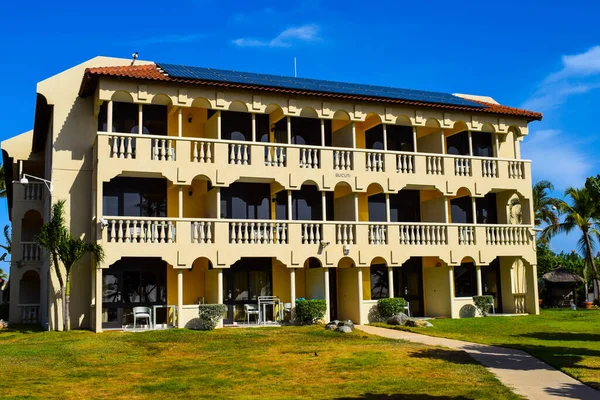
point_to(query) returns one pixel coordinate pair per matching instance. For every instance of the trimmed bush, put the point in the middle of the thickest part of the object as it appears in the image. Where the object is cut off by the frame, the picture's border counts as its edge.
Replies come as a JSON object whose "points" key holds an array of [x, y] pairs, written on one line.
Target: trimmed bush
{"points": [[210, 315], [389, 307], [308, 312], [483, 304]]}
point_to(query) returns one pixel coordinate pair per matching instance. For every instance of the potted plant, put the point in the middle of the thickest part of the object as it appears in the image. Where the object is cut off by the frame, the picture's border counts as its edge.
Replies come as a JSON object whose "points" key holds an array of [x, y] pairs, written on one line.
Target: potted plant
{"points": [[587, 305]]}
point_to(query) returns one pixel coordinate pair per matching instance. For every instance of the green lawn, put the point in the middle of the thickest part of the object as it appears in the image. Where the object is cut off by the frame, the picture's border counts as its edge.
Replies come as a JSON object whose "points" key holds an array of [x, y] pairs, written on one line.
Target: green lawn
{"points": [[242, 363], [568, 340]]}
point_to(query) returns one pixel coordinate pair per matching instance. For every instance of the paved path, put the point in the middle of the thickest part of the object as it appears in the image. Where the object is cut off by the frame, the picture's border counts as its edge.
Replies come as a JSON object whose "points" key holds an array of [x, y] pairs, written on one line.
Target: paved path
{"points": [[524, 374]]}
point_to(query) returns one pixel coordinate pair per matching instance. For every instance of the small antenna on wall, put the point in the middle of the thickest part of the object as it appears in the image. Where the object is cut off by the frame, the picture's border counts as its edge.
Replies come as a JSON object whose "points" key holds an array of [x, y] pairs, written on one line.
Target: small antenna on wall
{"points": [[295, 72]]}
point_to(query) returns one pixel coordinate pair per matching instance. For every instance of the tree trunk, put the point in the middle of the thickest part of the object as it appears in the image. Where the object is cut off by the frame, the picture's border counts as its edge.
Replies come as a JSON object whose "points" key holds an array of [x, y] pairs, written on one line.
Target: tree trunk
{"points": [[63, 293], [590, 256], [67, 302]]}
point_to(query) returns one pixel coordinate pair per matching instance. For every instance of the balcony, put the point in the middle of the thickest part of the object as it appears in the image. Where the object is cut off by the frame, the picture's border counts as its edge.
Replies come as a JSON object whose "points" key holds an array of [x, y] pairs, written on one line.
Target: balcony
{"points": [[190, 238], [179, 155]]}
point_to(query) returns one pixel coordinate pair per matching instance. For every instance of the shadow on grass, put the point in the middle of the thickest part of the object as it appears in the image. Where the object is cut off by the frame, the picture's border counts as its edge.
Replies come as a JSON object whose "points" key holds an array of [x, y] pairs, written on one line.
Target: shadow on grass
{"points": [[453, 356], [22, 328], [563, 336], [374, 396]]}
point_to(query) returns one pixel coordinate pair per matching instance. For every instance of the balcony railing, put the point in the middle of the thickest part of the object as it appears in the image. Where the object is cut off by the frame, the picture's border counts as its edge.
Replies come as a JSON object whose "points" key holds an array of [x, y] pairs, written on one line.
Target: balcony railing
{"points": [[31, 251], [279, 155], [30, 313], [33, 191], [209, 231]]}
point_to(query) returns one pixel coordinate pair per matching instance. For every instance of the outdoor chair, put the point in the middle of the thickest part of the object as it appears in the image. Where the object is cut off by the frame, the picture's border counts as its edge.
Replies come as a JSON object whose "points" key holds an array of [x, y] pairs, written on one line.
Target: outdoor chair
{"points": [[287, 309], [252, 309], [407, 309], [142, 313]]}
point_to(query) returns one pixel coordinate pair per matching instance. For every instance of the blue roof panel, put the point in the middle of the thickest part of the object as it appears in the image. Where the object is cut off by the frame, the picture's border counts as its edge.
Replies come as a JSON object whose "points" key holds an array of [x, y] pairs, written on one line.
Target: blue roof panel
{"points": [[315, 85]]}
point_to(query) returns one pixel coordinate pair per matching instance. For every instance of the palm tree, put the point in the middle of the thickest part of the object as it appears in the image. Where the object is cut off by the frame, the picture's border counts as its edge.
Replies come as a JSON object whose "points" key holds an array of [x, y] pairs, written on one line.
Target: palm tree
{"points": [[3, 274], [7, 248], [545, 209], [582, 214], [2, 182], [65, 249]]}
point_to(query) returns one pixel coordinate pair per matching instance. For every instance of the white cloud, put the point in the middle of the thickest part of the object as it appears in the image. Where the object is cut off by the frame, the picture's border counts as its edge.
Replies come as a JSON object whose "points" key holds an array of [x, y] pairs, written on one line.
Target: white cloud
{"points": [[555, 157], [191, 38], [580, 73], [290, 36]]}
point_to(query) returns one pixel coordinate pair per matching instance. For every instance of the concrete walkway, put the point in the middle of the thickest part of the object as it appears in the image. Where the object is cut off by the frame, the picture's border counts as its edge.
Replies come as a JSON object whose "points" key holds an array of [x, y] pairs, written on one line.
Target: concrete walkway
{"points": [[524, 374]]}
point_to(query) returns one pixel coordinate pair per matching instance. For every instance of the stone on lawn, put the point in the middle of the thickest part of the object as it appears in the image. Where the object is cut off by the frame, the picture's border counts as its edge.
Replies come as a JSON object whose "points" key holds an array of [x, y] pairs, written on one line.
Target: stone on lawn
{"points": [[347, 323], [344, 329], [399, 319], [332, 326]]}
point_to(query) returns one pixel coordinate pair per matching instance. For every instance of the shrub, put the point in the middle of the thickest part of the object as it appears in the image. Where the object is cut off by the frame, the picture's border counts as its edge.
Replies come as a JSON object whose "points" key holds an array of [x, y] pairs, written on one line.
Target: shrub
{"points": [[389, 307], [309, 311], [210, 315], [483, 304]]}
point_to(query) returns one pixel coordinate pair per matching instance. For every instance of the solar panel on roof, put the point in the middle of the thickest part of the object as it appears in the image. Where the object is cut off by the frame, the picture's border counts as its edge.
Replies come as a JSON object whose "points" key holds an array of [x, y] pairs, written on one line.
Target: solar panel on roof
{"points": [[316, 85]]}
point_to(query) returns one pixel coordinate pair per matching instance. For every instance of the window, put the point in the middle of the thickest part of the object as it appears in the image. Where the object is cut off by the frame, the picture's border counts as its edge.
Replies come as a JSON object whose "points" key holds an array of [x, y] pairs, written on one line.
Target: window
{"points": [[125, 117], [306, 131], [246, 201], [376, 205], [281, 203], [399, 138], [458, 144], [135, 197], [465, 280], [374, 138], [379, 282], [236, 125], [461, 210], [154, 120], [486, 209], [482, 144], [307, 204], [405, 206]]}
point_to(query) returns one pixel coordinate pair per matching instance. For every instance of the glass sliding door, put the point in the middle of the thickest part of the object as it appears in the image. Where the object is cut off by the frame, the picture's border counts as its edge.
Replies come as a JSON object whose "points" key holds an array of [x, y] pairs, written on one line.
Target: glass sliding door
{"points": [[243, 283]]}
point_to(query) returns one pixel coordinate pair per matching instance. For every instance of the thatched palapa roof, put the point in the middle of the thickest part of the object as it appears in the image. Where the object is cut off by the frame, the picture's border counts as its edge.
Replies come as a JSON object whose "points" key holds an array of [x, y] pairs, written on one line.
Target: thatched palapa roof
{"points": [[562, 275]]}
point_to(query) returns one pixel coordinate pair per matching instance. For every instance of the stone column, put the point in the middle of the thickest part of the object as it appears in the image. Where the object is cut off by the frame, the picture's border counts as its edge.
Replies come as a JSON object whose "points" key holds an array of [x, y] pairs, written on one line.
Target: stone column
{"points": [[326, 284], [532, 304], [391, 282], [109, 116], [479, 283], [293, 290], [220, 286], [98, 301], [451, 291], [179, 297], [360, 296]]}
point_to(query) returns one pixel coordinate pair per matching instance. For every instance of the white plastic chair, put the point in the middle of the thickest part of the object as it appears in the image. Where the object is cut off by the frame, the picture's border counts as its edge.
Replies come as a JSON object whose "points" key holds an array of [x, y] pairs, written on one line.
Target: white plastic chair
{"points": [[287, 309], [142, 313], [407, 309], [252, 309]]}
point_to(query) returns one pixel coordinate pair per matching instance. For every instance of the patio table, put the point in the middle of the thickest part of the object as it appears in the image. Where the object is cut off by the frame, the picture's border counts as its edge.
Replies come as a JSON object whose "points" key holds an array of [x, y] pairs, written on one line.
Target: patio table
{"points": [[273, 301], [167, 306]]}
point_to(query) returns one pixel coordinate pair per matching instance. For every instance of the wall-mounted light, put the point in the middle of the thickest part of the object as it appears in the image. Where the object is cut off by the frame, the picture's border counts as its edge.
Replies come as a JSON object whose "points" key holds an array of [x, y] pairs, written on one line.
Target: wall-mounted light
{"points": [[272, 127], [191, 191], [438, 265], [190, 118], [346, 249]]}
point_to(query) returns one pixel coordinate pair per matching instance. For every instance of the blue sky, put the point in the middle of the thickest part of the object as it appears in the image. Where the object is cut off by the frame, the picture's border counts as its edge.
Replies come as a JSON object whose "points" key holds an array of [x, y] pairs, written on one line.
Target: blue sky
{"points": [[543, 55]]}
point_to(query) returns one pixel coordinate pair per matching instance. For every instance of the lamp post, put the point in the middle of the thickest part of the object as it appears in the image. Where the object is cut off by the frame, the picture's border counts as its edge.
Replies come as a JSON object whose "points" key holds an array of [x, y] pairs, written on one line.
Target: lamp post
{"points": [[25, 181]]}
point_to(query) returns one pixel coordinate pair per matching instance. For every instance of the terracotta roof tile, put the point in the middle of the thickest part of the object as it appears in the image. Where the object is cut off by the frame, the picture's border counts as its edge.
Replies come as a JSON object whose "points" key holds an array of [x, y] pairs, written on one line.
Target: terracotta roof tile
{"points": [[150, 72]]}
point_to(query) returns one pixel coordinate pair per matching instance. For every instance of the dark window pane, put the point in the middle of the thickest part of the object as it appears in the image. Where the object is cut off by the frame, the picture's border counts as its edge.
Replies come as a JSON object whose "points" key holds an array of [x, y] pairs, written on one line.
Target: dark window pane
{"points": [[399, 138], [379, 282], [307, 204], [154, 120], [102, 117], [405, 206], [236, 125], [135, 197], [462, 210], [486, 209], [125, 117], [374, 138], [306, 131], [482, 144], [465, 280], [458, 144], [376, 205]]}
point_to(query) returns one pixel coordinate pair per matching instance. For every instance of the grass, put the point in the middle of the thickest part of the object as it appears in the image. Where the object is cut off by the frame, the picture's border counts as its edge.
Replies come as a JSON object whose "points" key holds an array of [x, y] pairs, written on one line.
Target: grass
{"points": [[567, 340], [241, 363]]}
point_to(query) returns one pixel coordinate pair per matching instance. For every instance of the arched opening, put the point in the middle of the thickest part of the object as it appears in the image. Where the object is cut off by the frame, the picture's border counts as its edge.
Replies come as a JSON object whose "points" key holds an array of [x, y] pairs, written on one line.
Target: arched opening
{"points": [[341, 203], [30, 226], [29, 288], [399, 137], [429, 137], [199, 120], [465, 278], [408, 284], [372, 205], [461, 207], [457, 140], [306, 129], [483, 142], [307, 203], [236, 125], [369, 134], [349, 300], [342, 134], [379, 283], [197, 199], [199, 287], [238, 106], [272, 127]]}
